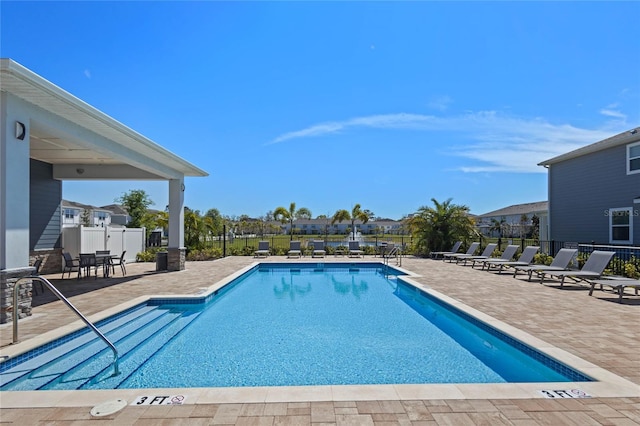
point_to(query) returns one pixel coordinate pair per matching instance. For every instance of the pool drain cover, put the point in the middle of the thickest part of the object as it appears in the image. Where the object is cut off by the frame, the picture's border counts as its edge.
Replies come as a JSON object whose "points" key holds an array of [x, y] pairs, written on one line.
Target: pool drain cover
{"points": [[108, 408]]}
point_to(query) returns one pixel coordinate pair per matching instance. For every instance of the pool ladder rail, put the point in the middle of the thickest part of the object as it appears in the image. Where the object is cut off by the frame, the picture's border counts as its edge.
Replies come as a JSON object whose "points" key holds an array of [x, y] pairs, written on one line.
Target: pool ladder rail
{"points": [[60, 296], [394, 252]]}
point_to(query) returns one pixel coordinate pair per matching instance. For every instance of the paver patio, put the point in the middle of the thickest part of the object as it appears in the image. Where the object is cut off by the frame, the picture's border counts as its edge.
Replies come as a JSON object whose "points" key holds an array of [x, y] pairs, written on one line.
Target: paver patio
{"points": [[596, 329]]}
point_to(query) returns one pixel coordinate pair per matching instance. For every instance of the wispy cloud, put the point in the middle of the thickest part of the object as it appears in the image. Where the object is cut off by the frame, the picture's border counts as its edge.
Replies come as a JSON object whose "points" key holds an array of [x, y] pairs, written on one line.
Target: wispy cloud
{"points": [[385, 121], [493, 142], [441, 103], [613, 111], [87, 73]]}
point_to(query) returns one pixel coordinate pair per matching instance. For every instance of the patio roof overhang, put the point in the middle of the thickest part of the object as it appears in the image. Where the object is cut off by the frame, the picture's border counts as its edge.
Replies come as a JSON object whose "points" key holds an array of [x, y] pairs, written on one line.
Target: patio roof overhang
{"points": [[82, 142]]}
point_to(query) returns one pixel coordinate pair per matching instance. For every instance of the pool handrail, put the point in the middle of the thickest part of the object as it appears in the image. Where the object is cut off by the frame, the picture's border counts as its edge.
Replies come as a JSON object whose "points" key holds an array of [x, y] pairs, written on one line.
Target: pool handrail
{"points": [[60, 296]]}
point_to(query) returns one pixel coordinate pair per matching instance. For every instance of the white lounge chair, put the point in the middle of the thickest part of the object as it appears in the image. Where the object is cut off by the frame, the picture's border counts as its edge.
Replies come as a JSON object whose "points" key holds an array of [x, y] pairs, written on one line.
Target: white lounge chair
{"points": [[263, 249], [616, 283], [506, 255], [560, 263], [294, 249], [318, 249], [486, 253], [454, 250], [354, 249], [525, 259], [470, 252], [592, 268]]}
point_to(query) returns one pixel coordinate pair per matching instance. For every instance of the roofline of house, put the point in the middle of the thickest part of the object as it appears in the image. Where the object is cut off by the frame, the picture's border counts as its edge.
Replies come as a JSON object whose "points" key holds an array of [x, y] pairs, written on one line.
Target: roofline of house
{"points": [[630, 136], [40, 87]]}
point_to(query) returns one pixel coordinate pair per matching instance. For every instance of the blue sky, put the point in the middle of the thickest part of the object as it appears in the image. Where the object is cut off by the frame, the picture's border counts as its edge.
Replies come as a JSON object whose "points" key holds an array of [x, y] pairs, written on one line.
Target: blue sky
{"points": [[328, 104]]}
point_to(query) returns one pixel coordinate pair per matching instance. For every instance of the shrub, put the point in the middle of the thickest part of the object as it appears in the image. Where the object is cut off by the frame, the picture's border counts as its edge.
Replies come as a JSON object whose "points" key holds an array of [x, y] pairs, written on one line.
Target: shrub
{"points": [[204, 254], [542, 259], [149, 255]]}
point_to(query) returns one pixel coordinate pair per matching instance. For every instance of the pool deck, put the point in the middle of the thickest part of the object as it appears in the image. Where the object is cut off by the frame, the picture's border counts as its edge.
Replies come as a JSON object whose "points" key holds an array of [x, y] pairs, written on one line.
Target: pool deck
{"points": [[595, 333]]}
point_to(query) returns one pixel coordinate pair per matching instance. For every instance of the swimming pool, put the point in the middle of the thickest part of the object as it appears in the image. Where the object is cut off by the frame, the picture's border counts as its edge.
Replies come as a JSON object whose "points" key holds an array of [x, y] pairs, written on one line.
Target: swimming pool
{"points": [[283, 324]]}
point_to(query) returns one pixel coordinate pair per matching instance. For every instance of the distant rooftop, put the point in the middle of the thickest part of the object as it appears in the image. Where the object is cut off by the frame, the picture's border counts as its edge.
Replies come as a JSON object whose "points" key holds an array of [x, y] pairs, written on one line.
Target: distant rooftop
{"points": [[519, 209]]}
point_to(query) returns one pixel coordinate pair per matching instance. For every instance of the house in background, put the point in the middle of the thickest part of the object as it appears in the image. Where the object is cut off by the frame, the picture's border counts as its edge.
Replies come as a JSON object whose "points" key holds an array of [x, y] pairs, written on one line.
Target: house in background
{"points": [[515, 221], [119, 215], [74, 214], [594, 192]]}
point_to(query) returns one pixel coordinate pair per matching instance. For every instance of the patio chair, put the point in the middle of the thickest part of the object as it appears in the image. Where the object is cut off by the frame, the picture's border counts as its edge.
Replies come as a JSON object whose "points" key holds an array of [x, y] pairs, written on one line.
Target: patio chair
{"points": [[318, 249], [103, 259], [454, 249], [616, 283], [37, 265], [470, 252], [263, 249], [294, 249], [354, 249], [69, 264], [592, 268], [119, 262], [507, 254], [87, 261], [560, 263], [525, 259]]}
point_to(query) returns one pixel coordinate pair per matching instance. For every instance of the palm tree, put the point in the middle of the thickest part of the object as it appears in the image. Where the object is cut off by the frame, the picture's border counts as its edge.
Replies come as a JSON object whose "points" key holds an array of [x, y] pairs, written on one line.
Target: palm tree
{"points": [[356, 214], [283, 215], [437, 228]]}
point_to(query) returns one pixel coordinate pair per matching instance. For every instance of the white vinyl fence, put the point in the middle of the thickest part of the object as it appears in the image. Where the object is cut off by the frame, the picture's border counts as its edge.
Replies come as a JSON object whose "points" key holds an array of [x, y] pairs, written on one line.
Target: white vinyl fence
{"points": [[84, 239]]}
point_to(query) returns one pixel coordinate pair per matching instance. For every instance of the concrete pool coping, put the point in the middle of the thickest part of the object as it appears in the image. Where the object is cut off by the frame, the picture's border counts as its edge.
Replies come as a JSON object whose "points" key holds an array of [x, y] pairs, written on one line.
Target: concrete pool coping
{"points": [[608, 384]]}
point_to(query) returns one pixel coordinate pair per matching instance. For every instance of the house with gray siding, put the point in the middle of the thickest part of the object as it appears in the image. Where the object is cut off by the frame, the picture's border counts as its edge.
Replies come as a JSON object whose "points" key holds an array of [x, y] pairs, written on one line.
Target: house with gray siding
{"points": [[594, 192]]}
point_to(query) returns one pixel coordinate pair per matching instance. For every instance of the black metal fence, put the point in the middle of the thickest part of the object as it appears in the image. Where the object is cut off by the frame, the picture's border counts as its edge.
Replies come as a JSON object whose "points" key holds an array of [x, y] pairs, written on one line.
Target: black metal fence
{"points": [[279, 244]]}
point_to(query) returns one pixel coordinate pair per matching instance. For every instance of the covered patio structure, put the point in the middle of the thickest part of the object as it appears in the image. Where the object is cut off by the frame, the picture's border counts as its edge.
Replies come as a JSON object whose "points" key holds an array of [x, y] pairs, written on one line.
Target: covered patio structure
{"points": [[49, 135]]}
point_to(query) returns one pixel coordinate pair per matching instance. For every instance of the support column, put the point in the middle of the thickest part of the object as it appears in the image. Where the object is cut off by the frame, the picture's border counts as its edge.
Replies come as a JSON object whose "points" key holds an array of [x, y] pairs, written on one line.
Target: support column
{"points": [[176, 249], [8, 279], [14, 184], [14, 206]]}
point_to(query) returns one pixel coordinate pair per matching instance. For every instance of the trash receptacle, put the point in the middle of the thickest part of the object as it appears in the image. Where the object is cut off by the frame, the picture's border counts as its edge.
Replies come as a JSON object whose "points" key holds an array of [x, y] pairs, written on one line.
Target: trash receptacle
{"points": [[162, 261]]}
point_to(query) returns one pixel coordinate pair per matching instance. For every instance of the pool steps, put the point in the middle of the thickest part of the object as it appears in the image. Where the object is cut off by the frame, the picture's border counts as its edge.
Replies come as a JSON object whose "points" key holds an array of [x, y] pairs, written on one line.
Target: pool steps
{"points": [[83, 360]]}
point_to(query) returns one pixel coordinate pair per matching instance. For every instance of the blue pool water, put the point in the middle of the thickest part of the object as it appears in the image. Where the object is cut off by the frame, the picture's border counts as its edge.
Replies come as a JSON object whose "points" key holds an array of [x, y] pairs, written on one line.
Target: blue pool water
{"points": [[283, 324]]}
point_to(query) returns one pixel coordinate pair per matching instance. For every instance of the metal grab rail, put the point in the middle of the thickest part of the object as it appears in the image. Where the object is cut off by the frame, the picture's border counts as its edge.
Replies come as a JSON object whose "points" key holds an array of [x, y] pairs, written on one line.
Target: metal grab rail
{"points": [[395, 251], [60, 296]]}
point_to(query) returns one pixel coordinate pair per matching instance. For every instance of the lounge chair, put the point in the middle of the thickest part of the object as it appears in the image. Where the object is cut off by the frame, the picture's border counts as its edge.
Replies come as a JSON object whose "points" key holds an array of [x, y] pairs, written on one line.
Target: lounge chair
{"points": [[525, 259], [507, 255], [454, 249], [354, 249], [560, 263], [486, 253], [616, 283], [470, 252], [318, 249], [263, 249], [294, 249], [592, 268]]}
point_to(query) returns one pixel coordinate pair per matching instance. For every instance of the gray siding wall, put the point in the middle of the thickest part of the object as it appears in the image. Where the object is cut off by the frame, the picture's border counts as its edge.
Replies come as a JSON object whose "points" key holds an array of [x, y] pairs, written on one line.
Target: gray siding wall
{"points": [[44, 207], [583, 189]]}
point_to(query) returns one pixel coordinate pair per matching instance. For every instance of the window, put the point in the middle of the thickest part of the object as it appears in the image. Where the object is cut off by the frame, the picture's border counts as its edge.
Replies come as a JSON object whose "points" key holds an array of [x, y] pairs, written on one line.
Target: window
{"points": [[69, 213], [633, 158], [620, 225], [101, 216]]}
